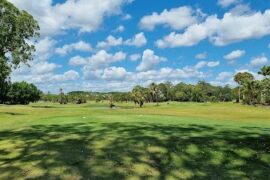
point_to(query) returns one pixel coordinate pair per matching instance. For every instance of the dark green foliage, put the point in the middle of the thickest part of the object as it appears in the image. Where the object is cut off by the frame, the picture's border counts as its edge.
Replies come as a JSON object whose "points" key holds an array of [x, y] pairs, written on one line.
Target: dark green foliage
{"points": [[16, 29], [23, 93], [4, 80], [252, 91]]}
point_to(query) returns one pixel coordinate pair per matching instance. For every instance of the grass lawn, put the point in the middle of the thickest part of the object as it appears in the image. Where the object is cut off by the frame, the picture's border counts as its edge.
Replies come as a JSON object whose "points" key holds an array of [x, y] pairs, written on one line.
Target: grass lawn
{"points": [[172, 141]]}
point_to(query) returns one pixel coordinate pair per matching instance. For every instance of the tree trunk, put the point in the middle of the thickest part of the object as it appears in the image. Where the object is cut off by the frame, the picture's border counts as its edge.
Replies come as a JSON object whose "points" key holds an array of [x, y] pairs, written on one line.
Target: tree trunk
{"points": [[239, 94]]}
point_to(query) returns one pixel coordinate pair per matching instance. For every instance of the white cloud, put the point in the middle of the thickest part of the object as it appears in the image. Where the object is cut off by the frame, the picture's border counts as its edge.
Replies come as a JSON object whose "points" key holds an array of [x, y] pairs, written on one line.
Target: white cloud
{"points": [[44, 49], [120, 28], [70, 75], [79, 46], [84, 15], [43, 68], [221, 31], [227, 3], [134, 57], [241, 9], [97, 62], [259, 61], [224, 75], [201, 55], [103, 59], [114, 73], [77, 61], [149, 60], [138, 40], [110, 41], [176, 18], [127, 17], [236, 54], [203, 64], [213, 63]]}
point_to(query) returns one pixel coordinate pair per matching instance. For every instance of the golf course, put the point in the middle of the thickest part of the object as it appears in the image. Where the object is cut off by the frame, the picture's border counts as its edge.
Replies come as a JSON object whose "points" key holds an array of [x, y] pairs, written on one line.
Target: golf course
{"points": [[170, 141]]}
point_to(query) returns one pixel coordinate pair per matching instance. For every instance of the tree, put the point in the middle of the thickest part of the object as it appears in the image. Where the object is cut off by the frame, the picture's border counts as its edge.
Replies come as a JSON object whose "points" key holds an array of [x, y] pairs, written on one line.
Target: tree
{"points": [[155, 92], [4, 80], [62, 97], [251, 90], [241, 78], [138, 95], [16, 29], [265, 71], [23, 93]]}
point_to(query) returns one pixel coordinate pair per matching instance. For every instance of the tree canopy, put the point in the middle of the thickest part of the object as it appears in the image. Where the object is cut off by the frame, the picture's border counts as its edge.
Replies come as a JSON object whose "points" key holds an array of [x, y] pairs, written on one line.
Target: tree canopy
{"points": [[17, 28]]}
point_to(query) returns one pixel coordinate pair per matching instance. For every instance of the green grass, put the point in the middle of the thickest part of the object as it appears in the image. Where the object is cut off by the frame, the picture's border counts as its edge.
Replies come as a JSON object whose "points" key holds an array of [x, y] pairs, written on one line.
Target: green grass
{"points": [[172, 141]]}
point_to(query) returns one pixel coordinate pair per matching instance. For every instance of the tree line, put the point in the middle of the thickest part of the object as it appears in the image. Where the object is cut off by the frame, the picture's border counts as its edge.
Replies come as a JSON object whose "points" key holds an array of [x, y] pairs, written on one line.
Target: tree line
{"points": [[249, 91]]}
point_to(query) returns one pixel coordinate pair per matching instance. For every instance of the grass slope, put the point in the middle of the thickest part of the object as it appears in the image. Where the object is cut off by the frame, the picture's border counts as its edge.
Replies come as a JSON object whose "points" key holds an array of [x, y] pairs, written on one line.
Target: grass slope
{"points": [[172, 141]]}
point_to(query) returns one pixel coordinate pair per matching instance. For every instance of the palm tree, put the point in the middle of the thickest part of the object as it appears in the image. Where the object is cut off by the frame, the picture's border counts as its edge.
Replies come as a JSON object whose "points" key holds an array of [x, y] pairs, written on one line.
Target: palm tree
{"points": [[154, 91], [241, 78], [265, 71], [138, 95], [251, 91]]}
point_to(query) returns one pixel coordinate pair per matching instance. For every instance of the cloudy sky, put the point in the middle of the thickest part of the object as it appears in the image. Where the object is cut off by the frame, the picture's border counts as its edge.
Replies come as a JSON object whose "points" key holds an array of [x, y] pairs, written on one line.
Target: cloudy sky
{"points": [[112, 45]]}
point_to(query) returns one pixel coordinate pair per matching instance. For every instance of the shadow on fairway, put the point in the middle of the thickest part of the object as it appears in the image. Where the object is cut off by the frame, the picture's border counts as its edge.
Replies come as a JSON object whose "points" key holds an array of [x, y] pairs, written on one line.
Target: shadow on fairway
{"points": [[122, 150], [12, 113]]}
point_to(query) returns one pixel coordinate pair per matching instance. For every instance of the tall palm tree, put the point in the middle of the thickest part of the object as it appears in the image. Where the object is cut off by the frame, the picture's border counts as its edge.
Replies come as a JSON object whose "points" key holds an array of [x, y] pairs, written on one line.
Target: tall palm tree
{"points": [[265, 71], [154, 91], [138, 95], [241, 78]]}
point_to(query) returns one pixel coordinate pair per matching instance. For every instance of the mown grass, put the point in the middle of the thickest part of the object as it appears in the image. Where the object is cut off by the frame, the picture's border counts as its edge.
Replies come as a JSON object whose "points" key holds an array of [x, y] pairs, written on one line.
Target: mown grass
{"points": [[171, 141]]}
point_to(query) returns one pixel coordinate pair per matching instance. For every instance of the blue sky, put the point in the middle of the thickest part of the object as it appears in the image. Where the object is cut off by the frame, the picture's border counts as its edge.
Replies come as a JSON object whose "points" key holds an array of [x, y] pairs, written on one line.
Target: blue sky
{"points": [[107, 45]]}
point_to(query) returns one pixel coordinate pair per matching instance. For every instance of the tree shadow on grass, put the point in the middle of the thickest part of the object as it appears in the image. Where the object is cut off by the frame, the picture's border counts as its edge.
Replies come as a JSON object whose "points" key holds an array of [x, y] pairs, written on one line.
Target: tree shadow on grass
{"points": [[12, 113], [125, 150]]}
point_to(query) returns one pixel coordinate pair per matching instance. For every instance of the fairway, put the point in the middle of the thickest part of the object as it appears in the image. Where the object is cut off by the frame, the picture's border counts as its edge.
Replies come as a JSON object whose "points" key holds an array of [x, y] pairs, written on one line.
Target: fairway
{"points": [[172, 141]]}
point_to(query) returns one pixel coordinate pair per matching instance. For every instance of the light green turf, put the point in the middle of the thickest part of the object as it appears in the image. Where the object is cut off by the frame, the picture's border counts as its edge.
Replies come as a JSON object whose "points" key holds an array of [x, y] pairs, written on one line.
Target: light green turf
{"points": [[171, 141]]}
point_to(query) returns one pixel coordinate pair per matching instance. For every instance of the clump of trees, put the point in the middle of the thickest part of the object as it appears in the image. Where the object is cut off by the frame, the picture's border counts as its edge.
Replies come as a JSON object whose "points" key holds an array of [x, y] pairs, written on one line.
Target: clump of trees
{"points": [[62, 98], [23, 93], [16, 29], [181, 92], [251, 91]]}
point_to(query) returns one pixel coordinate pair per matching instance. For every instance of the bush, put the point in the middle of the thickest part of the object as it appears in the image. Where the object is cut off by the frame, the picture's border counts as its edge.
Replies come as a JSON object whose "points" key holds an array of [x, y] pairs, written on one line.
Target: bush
{"points": [[23, 93]]}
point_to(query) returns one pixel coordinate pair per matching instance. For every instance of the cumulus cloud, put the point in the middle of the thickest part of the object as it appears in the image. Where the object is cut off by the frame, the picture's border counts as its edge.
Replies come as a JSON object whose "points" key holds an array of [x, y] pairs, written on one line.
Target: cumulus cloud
{"points": [[103, 59], [149, 60], [70, 75], [259, 61], [44, 49], [110, 41], [83, 15], [224, 75], [120, 28], [236, 54], [134, 57], [227, 3], [138, 40], [79, 46], [127, 17], [77, 61], [176, 18], [114, 73], [213, 63], [201, 55], [203, 64], [221, 32]]}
